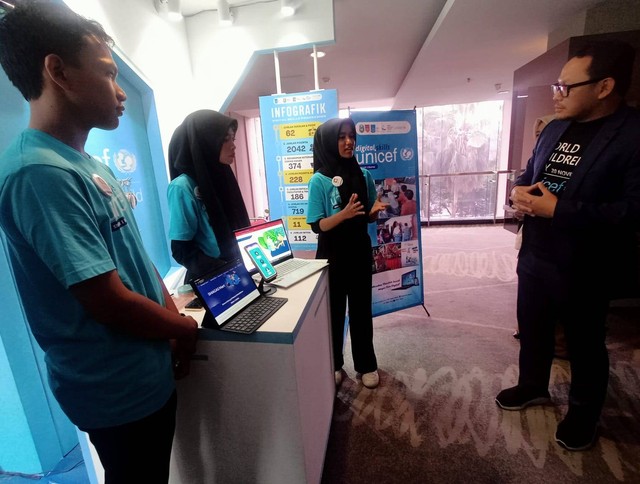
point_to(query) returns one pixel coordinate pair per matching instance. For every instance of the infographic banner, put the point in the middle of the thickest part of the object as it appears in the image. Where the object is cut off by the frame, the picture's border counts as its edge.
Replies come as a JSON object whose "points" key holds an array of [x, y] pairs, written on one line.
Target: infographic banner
{"points": [[387, 146], [289, 122]]}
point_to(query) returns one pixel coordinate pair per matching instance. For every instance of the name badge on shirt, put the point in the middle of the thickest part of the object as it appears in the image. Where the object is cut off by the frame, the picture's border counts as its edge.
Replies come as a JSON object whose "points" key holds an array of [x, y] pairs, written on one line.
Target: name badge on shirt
{"points": [[117, 211]]}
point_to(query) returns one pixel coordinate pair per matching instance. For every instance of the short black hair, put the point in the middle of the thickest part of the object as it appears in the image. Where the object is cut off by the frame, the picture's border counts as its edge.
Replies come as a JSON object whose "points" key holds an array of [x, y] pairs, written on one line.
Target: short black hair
{"points": [[610, 58], [33, 30], [408, 193]]}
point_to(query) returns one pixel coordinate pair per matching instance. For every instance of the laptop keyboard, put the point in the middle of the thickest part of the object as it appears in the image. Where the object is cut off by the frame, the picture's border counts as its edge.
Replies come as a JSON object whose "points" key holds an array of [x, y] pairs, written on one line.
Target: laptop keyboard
{"points": [[254, 315], [290, 266], [302, 270]]}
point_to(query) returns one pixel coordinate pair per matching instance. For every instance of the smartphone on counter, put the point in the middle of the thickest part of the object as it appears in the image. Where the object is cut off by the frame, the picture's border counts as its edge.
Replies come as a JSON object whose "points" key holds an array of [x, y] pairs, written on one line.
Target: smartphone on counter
{"points": [[259, 259], [194, 305]]}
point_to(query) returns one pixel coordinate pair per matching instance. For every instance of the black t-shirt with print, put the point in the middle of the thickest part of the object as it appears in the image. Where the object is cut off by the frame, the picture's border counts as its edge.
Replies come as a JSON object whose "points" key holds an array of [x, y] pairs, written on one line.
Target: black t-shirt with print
{"points": [[541, 236], [567, 154]]}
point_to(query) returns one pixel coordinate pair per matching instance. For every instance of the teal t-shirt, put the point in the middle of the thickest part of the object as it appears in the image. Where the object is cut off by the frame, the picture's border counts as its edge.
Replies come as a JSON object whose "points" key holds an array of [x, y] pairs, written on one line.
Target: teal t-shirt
{"points": [[66, 220], [188, 218], [324, 198]]}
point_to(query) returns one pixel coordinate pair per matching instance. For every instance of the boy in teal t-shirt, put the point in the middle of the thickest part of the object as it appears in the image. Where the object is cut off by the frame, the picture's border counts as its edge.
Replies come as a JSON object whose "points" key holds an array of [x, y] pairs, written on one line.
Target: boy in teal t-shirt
{"points": [[91, 295], [77, 224]]}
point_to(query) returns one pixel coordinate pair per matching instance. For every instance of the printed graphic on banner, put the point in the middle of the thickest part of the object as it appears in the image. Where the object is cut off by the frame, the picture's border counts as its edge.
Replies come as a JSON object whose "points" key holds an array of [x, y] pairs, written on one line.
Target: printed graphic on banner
{"points": [[386, 145], [289, 122]]}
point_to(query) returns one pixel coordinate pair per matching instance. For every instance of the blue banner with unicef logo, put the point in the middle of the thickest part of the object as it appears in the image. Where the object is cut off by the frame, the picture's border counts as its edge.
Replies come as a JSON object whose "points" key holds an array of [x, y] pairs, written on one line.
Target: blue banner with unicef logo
{"points": [[289, 123], [387, 146]]}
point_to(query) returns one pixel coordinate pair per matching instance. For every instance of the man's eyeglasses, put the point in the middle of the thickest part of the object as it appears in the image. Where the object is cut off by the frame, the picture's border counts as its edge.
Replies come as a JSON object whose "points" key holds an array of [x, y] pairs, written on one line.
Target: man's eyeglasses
{"points": [[564, 89]]}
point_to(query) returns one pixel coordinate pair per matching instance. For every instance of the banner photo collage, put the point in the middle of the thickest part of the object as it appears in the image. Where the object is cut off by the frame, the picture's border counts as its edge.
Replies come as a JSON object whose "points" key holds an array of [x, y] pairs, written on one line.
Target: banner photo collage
{"points": [[289, 123], [387, 146]]}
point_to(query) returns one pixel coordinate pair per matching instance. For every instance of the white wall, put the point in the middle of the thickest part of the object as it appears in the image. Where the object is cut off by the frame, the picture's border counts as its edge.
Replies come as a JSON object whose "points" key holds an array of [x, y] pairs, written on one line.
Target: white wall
{"points": [[194, 63], [221, 55]]}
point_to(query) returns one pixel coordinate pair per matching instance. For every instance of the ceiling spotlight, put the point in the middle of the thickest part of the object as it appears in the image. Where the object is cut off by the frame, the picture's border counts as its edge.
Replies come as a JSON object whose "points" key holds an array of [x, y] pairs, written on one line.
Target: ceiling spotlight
{"points": [[170, 8], [500, 90], [287, 8], [224, 13], [175, 12], [162, 6]]}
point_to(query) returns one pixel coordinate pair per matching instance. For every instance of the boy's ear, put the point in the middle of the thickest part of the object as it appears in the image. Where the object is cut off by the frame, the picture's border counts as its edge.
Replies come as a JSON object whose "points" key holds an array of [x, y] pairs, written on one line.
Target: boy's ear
{"points": [[54, 70]]}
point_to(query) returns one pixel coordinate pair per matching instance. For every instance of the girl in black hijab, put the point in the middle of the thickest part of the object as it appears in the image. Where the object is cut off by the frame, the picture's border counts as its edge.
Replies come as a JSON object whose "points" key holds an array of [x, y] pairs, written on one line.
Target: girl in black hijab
{"points": [[342, 202], [205, 202]]}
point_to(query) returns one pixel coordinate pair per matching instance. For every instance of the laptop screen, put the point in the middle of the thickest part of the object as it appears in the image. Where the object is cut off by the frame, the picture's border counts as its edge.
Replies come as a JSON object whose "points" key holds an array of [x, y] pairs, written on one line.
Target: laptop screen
{"points": [[227, 290], [270, 236], [408, 278]]}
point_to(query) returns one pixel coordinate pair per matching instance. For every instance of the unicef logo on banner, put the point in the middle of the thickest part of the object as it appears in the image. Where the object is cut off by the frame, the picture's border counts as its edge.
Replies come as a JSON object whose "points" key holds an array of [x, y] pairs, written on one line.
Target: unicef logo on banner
{"points": [[406, 154], [125, 161]]}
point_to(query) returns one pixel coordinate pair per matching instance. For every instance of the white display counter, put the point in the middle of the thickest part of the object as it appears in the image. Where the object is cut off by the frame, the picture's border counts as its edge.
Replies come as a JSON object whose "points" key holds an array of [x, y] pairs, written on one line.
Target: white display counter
{"points": [[257, 408]]}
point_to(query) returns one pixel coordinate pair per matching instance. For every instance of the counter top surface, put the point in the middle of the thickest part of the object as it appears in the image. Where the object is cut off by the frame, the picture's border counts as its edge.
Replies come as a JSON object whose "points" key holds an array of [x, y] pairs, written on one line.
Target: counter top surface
{"points": [[279, 328]]}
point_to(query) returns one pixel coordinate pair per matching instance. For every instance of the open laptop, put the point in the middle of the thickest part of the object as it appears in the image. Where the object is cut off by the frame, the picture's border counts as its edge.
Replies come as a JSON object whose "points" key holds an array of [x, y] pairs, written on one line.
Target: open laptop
{"points": [[272, 238], [408, 279], [230, 296]]}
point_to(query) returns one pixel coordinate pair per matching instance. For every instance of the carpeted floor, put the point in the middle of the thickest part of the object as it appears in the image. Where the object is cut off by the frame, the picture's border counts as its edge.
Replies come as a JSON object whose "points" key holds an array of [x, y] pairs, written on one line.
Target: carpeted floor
{"points": [[433, 418]]}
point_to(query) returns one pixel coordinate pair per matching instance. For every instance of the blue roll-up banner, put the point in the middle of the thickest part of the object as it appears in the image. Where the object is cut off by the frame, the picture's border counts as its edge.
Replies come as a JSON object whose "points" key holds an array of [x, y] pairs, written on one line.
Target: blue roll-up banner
{"points": [[387, 146], [289, 122]]}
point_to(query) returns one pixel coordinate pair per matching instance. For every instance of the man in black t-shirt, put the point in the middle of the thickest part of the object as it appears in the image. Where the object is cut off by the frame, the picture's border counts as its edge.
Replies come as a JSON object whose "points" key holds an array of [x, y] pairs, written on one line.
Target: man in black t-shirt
{"points": [[580, 200]]}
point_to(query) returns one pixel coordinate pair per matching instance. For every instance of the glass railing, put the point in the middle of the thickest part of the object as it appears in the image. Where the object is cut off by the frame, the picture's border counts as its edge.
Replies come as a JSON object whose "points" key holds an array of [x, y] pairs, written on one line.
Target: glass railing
{"points": [[464, 196]]}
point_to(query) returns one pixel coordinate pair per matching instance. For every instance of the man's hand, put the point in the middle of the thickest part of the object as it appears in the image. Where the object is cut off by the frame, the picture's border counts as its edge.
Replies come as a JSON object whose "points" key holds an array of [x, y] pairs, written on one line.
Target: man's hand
{"points": [[534, 200]]}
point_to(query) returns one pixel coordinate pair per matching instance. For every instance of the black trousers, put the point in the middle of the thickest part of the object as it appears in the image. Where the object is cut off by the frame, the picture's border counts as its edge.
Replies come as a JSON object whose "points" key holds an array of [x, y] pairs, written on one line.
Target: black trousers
{"points": [[139, 451], [547, 295], [350, 280]]}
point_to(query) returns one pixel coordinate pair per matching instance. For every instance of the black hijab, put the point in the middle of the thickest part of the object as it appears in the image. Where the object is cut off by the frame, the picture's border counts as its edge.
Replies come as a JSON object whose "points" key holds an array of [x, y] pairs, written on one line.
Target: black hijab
{"points": [[195, 151], [343, 241], [327, 160]]}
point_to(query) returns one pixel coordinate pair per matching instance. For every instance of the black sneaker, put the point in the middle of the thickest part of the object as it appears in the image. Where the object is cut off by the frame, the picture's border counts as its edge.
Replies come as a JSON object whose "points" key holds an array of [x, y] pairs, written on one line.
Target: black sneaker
{"points": [[576, 433], [517, 398]]}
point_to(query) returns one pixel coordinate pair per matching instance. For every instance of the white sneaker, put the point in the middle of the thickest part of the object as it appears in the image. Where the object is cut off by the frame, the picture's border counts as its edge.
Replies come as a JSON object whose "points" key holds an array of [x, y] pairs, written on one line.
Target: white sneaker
{"points": [[338, 377], [371, 380]]}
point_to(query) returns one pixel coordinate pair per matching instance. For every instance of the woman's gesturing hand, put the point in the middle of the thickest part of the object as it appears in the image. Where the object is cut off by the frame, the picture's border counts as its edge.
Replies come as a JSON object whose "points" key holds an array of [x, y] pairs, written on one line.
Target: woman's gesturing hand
{"points": [[353, 208]]}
